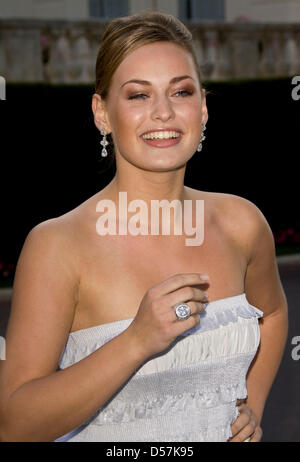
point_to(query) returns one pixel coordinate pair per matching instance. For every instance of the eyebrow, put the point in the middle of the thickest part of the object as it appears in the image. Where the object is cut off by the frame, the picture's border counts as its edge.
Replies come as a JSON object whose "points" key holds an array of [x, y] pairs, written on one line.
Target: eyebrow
{"points": [[145, 82]]}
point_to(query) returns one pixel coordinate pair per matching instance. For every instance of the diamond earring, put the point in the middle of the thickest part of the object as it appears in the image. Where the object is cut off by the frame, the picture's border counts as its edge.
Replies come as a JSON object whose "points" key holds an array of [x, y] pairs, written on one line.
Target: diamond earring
{"points": [[103, 143], [199, 148]]}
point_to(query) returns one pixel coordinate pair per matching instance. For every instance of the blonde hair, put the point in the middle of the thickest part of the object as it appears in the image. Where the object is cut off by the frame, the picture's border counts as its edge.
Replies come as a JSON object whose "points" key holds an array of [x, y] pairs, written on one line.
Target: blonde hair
{"points": [[125, 34]]}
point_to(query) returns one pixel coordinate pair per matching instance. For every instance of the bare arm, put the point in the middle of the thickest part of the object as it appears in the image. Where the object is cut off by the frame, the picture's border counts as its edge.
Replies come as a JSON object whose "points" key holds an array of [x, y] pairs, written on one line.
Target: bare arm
{"points": [[46, 408], [39, 403], [264, 290]]}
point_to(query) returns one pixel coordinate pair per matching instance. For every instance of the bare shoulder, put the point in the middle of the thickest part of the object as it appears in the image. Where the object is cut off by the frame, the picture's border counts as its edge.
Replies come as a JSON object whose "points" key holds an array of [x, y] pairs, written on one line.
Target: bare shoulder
{"points": [[238, 210], [65, 237], [61, 228], [239, 218], [43, 301], [247, 223], [49, 258], [55, 230], [55, 238], [230, 207]]}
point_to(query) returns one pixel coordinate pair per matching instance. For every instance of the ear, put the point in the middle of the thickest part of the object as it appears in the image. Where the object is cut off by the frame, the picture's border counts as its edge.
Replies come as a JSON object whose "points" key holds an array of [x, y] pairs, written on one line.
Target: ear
{"points": [[100, 113], [204, 107]]}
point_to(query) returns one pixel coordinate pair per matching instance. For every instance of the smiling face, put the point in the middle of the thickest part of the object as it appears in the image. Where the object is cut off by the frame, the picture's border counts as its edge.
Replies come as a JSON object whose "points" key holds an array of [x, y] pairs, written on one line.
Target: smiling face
{"points": [[155, 92]]}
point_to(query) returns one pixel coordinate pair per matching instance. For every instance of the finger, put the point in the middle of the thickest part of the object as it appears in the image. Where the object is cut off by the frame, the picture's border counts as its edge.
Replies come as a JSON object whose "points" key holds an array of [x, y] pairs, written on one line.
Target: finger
{"points": [[245, 433], [201, 307], [244, 408], [186, 295], [244, 426], [195, 298], [242, 420], [177, 281], [183, 326], [257, 435], [196, 308]]}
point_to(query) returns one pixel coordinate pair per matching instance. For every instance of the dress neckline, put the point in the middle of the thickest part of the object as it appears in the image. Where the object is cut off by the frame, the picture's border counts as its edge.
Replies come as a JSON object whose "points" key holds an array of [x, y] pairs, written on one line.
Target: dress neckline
{"points": [[214, 304]]}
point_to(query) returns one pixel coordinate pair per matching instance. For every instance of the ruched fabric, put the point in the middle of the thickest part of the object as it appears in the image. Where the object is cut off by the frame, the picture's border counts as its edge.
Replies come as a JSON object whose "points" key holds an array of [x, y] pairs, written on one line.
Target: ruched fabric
{"points": [[185, 393]]}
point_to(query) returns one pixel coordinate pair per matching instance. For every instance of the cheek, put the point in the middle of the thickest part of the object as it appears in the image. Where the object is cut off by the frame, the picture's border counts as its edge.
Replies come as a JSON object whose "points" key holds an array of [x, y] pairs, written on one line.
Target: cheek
{"points": [[191, 115], [193, 112], [128, 119]]}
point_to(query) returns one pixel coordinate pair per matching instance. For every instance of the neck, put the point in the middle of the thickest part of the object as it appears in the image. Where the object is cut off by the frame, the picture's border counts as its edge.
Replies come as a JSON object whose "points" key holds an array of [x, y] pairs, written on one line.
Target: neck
{"points": [[148, 187]]}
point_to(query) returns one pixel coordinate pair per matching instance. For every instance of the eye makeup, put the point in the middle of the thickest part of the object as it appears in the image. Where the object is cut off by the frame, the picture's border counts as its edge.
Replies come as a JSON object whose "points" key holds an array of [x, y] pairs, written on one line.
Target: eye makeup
{"points": [[183, 92]]}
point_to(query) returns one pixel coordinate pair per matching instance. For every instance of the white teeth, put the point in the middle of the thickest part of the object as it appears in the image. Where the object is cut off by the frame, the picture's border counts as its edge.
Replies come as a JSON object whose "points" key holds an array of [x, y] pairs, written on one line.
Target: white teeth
{"points": [[160, 135]]}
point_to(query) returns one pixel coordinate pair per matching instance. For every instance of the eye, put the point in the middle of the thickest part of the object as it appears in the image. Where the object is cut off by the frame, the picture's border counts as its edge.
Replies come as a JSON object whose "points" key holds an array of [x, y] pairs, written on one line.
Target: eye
{"points": [[138, 96], [184, 93]]}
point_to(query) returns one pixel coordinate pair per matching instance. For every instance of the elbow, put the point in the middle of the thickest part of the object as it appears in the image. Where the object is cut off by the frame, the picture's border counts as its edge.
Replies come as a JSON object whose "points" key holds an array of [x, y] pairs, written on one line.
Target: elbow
{"points": [[12, 428], [6, 428], [11, 436], [3, 430], [4, 435], [9, 432]]}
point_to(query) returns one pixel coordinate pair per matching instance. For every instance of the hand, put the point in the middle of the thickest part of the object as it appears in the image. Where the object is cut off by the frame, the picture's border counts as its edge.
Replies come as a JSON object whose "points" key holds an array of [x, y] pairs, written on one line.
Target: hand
{"points": [[246, 425], [155, 325]]}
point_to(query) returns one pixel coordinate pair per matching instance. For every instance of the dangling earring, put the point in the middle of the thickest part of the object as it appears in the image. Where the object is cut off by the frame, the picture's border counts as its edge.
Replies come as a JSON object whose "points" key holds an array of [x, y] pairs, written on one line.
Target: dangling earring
{"points": [[199, 148], [104, 143]]}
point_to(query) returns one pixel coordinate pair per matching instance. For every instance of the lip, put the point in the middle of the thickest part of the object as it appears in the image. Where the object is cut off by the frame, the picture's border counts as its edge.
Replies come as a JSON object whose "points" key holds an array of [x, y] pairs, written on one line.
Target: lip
{"points": [[165, 129], [158, 143]]}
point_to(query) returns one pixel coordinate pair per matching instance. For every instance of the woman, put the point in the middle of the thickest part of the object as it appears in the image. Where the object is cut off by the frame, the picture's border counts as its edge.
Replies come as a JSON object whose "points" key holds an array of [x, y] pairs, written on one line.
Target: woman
{"points": [[96, 349]]}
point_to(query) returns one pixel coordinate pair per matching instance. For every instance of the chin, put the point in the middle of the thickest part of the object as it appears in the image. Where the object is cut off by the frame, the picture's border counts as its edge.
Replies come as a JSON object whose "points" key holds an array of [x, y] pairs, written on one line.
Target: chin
{"points": [[165, 165], [159, 160]]}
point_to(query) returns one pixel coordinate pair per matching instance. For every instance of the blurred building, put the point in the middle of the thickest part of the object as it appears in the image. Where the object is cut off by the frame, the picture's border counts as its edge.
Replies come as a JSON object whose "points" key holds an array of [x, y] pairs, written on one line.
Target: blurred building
{"points": [[224, 10], [56, 41], [268, 11]]}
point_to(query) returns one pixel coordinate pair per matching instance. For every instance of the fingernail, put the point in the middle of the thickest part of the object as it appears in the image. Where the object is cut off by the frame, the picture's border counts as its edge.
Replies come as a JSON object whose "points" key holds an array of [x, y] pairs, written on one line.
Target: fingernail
{"points": [[205, 296], [204, 277]]}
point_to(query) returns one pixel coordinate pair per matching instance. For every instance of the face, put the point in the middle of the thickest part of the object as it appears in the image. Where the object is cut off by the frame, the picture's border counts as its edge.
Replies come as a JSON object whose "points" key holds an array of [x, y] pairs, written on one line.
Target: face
{"points": [[154, 93]]}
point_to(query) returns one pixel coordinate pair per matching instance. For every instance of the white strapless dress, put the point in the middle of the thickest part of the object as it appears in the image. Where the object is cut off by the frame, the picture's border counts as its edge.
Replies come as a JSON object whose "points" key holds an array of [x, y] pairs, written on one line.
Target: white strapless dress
{"points": [[186, 393]]}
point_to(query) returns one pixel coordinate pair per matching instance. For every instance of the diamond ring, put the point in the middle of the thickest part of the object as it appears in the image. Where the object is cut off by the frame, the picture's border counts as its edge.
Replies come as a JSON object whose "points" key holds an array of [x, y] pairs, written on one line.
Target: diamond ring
{"points": [[182, 311]]}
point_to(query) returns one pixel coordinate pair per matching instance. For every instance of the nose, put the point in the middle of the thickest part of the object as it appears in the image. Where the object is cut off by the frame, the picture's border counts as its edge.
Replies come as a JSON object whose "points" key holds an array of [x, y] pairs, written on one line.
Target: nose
{"points": [[162, 109]]}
